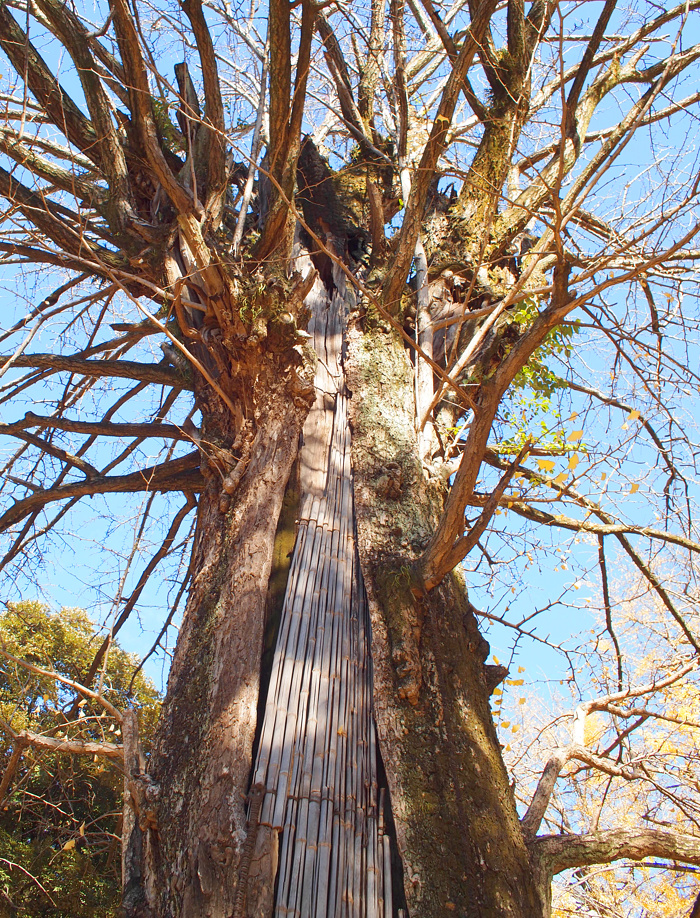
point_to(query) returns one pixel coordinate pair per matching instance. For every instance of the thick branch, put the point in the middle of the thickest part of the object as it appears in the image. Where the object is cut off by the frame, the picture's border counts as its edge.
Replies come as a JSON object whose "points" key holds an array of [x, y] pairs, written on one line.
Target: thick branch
{"points": [[141, 105], [51, 449], [339, 71], [213, 109], [370, 73], [158, 374], [532, 819], [69, 747], [437, 142], [563, 852], [585, 66], [11, 768], [439, 559], [451, 523], [48, 92], [480, 110], [285, 122], [73, 35], [82, 187], [101, 428], [50, 219], [178, 475]]}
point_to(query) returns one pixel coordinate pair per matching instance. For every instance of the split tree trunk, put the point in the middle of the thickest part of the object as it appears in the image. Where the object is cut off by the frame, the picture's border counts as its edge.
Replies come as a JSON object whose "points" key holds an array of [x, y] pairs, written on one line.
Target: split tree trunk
{"points": [[456, 824]]}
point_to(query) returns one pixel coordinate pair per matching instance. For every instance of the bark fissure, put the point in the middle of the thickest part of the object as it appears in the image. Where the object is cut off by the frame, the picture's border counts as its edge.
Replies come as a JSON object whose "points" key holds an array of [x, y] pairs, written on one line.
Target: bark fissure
{"points": [[320, 850]]}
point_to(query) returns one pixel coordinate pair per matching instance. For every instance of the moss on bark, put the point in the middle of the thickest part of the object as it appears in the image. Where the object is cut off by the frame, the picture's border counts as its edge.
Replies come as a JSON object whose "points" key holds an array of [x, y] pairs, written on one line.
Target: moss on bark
{"points": [[457, 826]]}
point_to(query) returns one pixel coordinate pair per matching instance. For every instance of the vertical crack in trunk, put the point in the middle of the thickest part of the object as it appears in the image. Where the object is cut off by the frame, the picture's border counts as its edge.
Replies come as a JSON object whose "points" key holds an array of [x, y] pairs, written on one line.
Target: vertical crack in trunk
{"points": [[320, 824]]}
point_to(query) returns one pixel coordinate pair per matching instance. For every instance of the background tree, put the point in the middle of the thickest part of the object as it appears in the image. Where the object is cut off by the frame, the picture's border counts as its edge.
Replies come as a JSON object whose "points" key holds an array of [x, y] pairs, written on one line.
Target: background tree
{"points": [[478, 223], [625, 756], [60, 836]]}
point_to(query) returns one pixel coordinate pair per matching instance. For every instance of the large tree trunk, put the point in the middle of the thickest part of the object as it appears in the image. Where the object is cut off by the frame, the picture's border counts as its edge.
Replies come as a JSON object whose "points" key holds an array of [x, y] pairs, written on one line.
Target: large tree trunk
{"points": [[456, 825], [203, 751], [302, 830], [458, 832], [204, 747]]}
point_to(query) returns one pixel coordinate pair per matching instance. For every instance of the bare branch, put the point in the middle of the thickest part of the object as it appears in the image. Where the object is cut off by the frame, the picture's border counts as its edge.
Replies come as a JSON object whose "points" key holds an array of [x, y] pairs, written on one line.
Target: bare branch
{"points": [[138, 589], [66, 746], [439, 559], [103, 428], [50, 95], [434, 148], [158, 374], [564, 852], [177, 475], [64, 680]]}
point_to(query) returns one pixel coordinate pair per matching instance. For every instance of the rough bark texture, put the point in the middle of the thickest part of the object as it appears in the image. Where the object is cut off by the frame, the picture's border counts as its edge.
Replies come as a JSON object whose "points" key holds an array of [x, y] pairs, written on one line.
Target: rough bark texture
{"points": [[204, 748], [457, 826]]}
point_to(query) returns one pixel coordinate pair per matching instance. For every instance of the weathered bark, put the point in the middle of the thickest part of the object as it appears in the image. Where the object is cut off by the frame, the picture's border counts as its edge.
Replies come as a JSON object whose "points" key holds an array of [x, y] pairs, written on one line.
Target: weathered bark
{"points": [[457, 826], [456, 823], [203, 752]]}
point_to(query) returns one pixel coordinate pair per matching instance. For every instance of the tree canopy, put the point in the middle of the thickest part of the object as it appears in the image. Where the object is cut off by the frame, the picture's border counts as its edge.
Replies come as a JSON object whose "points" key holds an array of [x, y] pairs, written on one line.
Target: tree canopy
{"points": [[61, 813]]}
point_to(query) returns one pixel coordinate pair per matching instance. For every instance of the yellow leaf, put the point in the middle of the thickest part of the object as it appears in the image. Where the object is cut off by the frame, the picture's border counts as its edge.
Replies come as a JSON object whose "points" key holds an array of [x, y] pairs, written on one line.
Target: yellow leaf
{"points": [[574, 435], [496, 660], [506, 723], [561, 478], [573, 460], [514, 728], [515, 681], [521, 701], [521, 669], [498, 691], [634, 488], [593, 729], [633, 415], [573, 415], [69, 845], [81, 830], [508, 748], [546, 464]]}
